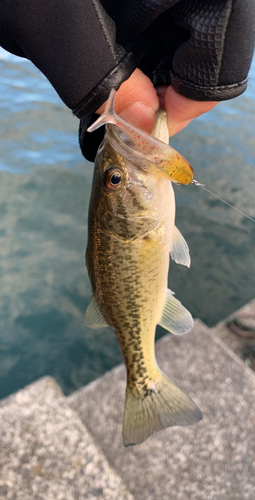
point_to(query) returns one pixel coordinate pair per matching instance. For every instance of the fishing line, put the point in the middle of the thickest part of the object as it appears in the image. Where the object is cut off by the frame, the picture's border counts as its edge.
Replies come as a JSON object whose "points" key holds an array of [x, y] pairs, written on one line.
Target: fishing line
{"points": [[221, 199]]}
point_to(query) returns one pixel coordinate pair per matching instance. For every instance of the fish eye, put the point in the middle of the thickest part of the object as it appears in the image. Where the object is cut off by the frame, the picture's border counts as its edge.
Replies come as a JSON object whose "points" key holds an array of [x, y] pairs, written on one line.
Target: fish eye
{"points": [[113, 178]]}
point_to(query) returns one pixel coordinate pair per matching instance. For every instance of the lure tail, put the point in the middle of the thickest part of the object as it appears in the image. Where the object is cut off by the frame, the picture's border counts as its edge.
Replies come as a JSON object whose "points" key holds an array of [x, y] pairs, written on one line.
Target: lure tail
{"points": [[147, 413], [108, 116]]}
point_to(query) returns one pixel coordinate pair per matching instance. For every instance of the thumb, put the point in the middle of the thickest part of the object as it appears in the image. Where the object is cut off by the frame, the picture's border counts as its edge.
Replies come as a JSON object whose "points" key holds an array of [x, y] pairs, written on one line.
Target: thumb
{"points": [[136, 101]]}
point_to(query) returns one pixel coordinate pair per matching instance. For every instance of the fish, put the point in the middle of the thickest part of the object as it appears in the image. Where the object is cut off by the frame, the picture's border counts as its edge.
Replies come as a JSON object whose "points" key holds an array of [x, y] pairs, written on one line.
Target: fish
{"points": [[131, 230]]}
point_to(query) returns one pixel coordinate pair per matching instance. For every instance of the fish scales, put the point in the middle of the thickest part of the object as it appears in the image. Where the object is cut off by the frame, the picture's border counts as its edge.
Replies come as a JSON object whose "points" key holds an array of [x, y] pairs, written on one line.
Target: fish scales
{"points": [[131, 232], [143, 271]]}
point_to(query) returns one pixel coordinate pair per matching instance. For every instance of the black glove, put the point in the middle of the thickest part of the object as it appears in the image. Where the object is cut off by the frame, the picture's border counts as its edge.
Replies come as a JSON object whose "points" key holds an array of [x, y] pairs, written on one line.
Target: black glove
{"points": [[197, 46], [73, 43], [202, 47]]}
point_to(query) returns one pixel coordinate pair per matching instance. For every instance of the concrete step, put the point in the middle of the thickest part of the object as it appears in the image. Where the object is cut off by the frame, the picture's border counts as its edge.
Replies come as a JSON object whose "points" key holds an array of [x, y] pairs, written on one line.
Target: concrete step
{"points": [[46, 453], [244, 346], [214, 459]]}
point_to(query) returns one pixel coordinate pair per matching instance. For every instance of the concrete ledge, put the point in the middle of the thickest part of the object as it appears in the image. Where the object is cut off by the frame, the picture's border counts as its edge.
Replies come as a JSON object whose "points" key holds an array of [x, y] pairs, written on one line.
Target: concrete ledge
{"points": [[242, 346], [47, 454], [214, 459]]}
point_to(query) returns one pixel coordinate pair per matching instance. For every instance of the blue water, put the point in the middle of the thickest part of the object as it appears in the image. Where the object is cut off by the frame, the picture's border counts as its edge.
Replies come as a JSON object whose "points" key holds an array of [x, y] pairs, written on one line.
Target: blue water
{"points": [[44, 193]]}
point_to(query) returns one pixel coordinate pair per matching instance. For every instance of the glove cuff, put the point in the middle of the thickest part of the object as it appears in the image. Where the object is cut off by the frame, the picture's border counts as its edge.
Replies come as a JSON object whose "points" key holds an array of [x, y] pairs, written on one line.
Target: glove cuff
{"points": [[199, 92], [207, 93], [100, 93]]}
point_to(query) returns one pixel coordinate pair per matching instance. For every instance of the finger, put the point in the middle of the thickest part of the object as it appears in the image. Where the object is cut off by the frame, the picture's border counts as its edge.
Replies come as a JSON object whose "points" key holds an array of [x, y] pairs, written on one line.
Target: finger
{"points": [[180, 110], [137, 101]]}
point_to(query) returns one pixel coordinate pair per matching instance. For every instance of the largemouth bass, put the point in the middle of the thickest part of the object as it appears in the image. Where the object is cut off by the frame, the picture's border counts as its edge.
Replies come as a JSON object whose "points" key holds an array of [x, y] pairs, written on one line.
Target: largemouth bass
{"points": [[131, 232]]}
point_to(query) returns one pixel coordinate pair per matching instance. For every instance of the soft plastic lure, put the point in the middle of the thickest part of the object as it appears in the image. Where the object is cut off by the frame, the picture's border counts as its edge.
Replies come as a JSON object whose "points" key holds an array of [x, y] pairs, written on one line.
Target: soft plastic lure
{"points": [[144, 149]]}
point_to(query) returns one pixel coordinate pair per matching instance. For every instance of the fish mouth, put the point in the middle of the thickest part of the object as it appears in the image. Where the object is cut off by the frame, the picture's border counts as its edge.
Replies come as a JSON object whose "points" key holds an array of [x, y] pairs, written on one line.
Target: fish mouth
{"points": [[131, 155]]}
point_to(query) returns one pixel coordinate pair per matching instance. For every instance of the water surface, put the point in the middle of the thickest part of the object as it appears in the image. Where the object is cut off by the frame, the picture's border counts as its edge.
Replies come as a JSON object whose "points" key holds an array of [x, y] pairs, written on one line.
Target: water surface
{"points": [[44, 194]]}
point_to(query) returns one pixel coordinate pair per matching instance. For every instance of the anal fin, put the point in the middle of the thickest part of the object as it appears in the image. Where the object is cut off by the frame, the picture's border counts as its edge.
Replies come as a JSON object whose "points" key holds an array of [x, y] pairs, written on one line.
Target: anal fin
{"points": [[175, 317]]}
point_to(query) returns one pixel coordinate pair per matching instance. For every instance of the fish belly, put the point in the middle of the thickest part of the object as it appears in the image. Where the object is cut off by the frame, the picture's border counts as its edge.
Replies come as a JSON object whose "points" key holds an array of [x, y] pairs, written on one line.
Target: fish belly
{"points": [[130, 285]]}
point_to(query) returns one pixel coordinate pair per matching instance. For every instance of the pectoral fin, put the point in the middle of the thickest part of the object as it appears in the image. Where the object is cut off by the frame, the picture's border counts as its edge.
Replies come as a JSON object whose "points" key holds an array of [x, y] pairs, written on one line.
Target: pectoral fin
{"points": [[175, 317], [180, 249], [93, 317]]}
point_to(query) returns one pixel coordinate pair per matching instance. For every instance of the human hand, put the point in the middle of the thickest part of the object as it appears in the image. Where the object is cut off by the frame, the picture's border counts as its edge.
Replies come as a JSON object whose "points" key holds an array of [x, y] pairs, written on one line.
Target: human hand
{"points": [[137, 102], [180, 110], [178, 47]]}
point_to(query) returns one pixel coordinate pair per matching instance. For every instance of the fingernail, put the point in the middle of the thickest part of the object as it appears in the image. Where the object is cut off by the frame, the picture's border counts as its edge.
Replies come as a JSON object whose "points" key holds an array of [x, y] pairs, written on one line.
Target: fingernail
{"points": [[139, 115]]}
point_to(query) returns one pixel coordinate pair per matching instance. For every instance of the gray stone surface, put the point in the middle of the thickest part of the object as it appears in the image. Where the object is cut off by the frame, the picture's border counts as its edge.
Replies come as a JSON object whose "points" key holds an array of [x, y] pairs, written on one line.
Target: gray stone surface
{"points": [[243, 346], [214, 459], [47, 454]]}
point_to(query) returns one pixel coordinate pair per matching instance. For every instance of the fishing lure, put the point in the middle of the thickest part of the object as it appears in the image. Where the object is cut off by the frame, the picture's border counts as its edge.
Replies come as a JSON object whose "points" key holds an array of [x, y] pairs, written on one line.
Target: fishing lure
{"points": [[144, 149]]}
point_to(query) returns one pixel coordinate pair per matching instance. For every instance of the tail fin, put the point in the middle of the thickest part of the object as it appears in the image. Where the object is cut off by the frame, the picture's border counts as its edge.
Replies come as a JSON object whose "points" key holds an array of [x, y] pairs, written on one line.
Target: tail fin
{"points": [[150, 412], [108, 116]]}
